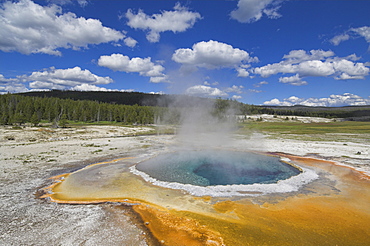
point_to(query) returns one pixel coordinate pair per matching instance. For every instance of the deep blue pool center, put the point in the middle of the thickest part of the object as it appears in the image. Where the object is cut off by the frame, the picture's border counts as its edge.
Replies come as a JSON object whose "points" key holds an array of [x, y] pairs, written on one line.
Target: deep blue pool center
{"points": [[217, 167]]}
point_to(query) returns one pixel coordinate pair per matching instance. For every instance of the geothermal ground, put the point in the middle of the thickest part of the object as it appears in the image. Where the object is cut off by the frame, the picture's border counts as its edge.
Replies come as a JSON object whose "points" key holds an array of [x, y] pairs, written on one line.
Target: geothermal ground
{"points": [[31, 155]]}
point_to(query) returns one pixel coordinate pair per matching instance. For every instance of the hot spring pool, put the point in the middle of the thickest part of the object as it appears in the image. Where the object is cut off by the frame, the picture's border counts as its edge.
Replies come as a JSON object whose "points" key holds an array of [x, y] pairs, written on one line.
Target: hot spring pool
{"points": [[222, 172], [166, 196]]}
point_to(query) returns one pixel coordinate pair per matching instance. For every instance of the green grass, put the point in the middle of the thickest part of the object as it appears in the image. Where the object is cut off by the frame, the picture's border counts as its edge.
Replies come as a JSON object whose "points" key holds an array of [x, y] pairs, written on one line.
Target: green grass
{"points": [[90, 145], [352, 127], [100, 123], [347, 131], [96, 151]]}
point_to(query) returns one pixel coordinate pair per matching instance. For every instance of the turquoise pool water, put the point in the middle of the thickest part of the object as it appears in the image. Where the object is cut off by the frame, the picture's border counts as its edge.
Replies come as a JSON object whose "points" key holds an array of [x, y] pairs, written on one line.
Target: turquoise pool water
{"points": [[217, 167]]}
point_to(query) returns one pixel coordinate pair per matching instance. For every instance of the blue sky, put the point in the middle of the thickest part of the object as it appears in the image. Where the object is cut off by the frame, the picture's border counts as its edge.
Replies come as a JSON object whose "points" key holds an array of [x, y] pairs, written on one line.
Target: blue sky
{"points": [[313, 53]]}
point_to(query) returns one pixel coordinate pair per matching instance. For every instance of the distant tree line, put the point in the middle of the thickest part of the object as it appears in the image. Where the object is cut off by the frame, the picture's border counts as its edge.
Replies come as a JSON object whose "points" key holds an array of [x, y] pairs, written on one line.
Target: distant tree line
{"points": [[16, 109], [145, 99], [19, 109], [117, 97], [60, 107], [325, 112]]}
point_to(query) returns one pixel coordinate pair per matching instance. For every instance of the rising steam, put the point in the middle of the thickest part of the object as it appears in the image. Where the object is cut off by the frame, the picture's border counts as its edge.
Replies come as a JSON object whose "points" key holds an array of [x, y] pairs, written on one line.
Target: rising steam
{"points": [[203, 123]]}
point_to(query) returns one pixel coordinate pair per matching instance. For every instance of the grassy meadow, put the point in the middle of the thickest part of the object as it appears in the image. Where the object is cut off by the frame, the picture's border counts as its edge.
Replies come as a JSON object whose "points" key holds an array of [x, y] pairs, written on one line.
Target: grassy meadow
{"points": [[333, 131]]}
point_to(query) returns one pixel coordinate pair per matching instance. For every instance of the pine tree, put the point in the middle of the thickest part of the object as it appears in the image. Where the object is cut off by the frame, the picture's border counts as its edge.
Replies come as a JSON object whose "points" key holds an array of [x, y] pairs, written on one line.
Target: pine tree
{"points": [[63, 122], [35, 119]]}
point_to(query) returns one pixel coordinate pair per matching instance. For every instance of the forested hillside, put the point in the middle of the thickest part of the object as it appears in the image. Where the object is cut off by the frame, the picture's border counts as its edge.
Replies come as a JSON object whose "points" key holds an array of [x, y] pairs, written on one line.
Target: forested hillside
{"points": [[116, 97]]}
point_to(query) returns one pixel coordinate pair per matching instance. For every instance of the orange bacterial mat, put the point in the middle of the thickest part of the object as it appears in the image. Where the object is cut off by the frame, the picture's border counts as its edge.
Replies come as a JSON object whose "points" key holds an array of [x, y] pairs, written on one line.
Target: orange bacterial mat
{"points": [[331, 210]]}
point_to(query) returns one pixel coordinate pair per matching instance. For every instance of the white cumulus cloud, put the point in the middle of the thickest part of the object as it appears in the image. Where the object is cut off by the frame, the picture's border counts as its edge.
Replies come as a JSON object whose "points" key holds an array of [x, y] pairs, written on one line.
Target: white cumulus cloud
{"points": [[27, 27], [254, 91], [352, 33], [259, 84], [236, 97], [52, 78], [206, 91], [316, 63], [130, 42], [235, 89], [5, 80], [252, 10], [363, 31], [242, 71], [143, 66], [13, 85], [178, 20], [297, 56], [82, 3], [331, 101], [339, 38], [293, 80], [64, 78], [212, 55], [315, 68], [90, 87]]}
